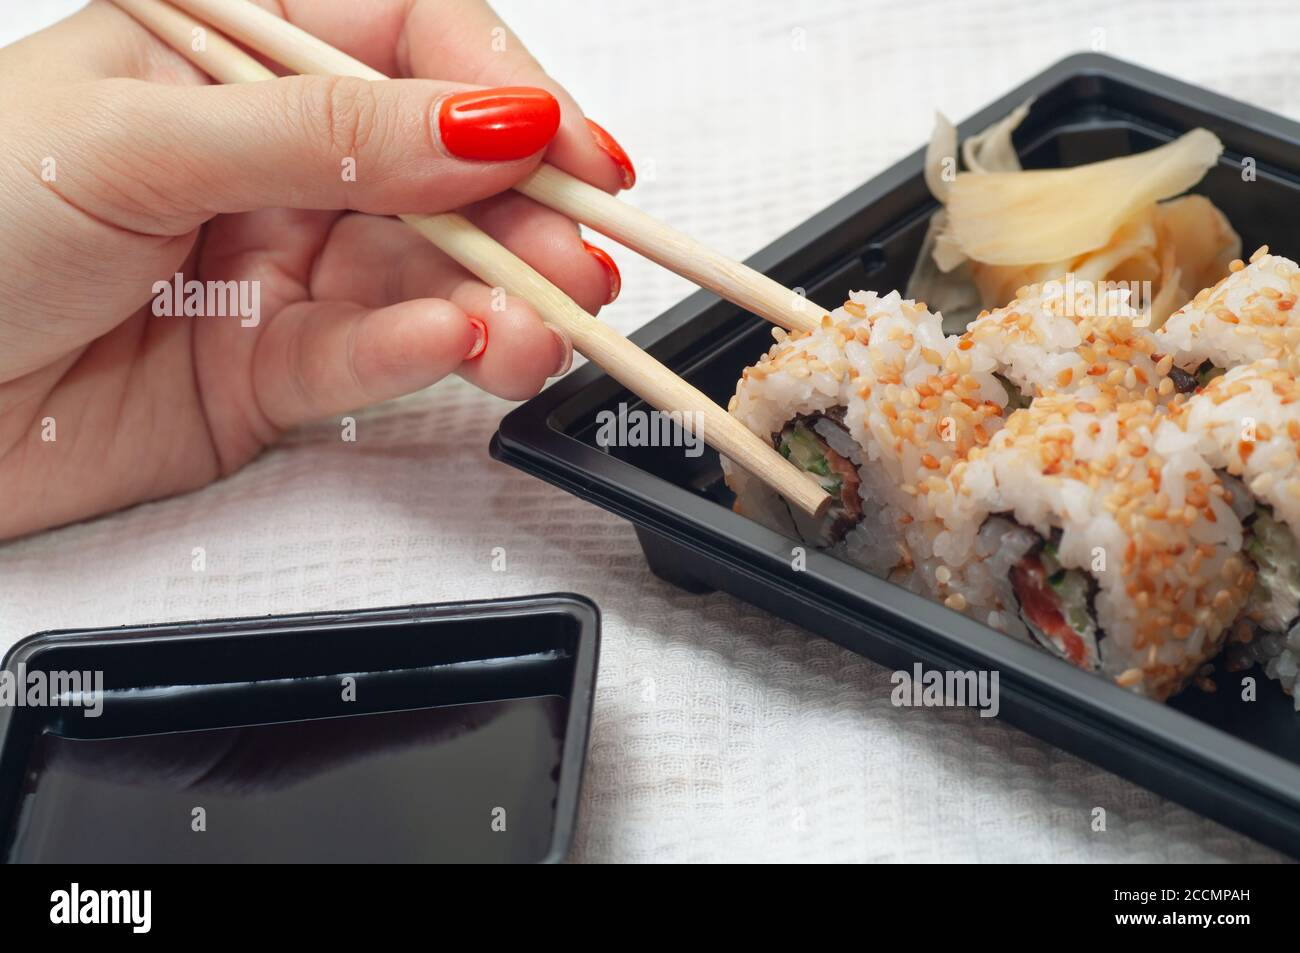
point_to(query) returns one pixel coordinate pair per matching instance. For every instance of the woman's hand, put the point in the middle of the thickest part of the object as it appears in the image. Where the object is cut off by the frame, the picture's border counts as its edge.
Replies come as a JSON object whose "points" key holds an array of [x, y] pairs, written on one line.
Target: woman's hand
{"points": [[120, 168]]}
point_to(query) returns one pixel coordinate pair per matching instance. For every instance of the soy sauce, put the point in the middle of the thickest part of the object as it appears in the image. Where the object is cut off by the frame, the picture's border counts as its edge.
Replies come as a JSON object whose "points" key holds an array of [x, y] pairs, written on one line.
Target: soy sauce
{"points": [[459, 783]]}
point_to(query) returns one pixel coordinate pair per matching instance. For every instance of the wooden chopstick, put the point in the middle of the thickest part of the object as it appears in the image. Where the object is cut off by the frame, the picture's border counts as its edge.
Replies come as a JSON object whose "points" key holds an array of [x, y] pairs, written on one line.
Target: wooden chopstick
{"points": [[494, 264], [296, 49]]}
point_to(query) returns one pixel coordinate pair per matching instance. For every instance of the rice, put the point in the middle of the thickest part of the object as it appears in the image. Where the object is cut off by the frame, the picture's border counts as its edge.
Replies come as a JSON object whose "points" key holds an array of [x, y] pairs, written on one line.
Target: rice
{"points": [[1112, 486], [1279, 655], [1151, 530], [1247, 424], [909, 402], [1070, 336], [1248, 316], [803, 373]]}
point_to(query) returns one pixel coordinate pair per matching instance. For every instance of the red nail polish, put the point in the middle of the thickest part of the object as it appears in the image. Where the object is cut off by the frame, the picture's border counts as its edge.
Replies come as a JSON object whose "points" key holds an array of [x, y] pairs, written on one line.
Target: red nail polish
{"points": [[615, 279], [497, 125], [480, 338], [609, 145]]}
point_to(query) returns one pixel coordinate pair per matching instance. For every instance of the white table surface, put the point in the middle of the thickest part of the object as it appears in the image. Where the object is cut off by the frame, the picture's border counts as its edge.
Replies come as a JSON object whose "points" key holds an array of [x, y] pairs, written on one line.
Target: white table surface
{"points": [[720, 732]]}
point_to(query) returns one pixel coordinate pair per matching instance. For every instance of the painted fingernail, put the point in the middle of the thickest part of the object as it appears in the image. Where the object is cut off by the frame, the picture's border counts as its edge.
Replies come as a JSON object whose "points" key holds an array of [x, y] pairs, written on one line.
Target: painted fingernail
{"points": [[609, 145], [567, 346], [480, 338], [496, 125], [615, 279]]}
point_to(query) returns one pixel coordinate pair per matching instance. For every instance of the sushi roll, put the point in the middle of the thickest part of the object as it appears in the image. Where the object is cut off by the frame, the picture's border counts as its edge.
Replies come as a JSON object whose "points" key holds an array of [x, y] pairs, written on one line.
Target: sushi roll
{"points": [[877, 404], [1246, 424], [1073, 337], [794, 396], [1250, 315], [1119, 559]]}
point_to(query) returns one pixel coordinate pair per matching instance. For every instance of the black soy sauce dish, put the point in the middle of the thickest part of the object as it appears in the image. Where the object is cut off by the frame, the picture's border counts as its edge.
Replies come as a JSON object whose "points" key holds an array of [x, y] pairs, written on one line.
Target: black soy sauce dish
{"points": [[436, 733], [1233, 760]]}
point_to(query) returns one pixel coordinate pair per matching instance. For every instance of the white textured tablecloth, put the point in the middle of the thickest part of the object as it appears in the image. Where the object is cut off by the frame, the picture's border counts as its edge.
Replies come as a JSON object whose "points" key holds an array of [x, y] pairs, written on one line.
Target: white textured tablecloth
{"points": [[720, 732]]}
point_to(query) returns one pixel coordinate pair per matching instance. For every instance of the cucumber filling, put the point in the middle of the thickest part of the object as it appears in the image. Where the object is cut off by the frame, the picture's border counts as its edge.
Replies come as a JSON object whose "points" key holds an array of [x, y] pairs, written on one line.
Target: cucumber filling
{"points": [[1275, 600], [809, 453], [1056, 604], [800, 443], [1207, 372]]}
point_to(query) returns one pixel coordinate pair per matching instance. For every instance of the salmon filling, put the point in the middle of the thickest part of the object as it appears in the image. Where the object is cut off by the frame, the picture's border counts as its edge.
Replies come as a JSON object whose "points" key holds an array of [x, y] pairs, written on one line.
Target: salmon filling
{"points": [[801, 444], [1056, 604]]}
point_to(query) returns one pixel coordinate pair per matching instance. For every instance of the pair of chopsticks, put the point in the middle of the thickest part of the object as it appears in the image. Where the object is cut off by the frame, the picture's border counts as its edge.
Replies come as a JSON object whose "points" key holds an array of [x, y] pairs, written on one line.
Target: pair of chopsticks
{"points": [[295, 49]]}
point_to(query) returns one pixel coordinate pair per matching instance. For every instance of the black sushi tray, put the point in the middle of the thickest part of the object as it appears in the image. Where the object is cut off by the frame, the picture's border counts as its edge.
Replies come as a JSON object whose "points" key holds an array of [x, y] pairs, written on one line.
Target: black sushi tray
{"points": [[1230, 754]]}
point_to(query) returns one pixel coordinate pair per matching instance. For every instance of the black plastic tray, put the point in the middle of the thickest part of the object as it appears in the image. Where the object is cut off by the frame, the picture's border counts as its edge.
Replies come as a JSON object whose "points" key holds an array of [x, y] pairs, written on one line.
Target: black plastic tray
{"points": [[436, 676], [1235, 761]]}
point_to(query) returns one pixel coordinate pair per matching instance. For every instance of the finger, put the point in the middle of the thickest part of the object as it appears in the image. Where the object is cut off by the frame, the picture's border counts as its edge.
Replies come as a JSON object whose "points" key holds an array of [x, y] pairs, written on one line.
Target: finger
{"points": [[167, 158], [317, 359], [552, 244], [465, 41], [521, 353], [468, 39], [96, 42], [377, 261]]}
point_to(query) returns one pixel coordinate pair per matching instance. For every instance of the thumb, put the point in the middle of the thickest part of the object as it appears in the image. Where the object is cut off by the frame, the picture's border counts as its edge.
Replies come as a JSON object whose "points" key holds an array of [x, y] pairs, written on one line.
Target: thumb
{"points": [[181, 155]]}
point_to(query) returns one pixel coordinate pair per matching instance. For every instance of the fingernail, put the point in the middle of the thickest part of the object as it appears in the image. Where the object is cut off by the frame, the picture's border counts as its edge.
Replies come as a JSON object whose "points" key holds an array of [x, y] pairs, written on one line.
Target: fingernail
{"points": [[480, 338], [609, 145], [567, 346], [512, 122], [615, 279]]}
